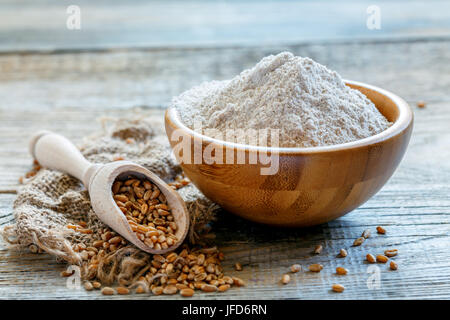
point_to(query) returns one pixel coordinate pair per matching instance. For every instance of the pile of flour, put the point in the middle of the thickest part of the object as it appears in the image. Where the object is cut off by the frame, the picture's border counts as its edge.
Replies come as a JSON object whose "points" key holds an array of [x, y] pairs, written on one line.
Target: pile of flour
{"points": [[309, 104]]}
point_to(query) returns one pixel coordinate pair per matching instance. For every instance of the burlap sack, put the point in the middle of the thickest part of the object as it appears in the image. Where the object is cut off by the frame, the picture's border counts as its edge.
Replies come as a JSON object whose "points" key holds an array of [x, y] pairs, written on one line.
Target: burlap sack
{"points": [[52, 200]]}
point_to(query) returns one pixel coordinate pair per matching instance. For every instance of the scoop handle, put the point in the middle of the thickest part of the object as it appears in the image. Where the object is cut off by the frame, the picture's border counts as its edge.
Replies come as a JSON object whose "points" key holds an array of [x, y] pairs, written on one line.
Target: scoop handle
{"points": [[53, 151]]}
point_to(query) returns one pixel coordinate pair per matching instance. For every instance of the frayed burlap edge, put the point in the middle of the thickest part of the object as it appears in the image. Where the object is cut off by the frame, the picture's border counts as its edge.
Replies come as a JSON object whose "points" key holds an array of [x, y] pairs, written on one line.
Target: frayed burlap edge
{"points": [[125, 138]]}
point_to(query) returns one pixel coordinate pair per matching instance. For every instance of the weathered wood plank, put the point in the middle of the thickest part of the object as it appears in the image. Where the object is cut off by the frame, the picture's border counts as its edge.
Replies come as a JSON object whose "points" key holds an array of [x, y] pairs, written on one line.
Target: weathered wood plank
{"points": [[430, 137], [17, 127], [93, 84], [135, 78], [266, 253], [414, 205], [29, 24]]}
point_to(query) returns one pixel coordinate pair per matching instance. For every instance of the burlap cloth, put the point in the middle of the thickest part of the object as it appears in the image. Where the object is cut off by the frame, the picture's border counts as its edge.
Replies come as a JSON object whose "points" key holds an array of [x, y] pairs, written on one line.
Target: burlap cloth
{"points": [[52, 200]]}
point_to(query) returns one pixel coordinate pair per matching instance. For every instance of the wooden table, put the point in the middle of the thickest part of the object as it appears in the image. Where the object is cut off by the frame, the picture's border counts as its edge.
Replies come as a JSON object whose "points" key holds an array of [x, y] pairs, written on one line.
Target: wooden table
{"points": [[67, 90]]}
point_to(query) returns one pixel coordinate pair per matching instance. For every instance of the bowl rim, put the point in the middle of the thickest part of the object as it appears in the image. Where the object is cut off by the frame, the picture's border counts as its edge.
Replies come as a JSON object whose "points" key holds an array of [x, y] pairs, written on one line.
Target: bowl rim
{"points": [[403, 121]]}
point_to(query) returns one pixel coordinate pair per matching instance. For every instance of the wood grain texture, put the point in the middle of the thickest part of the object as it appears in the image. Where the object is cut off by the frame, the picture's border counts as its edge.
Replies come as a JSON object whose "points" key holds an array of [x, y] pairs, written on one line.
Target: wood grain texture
{"points": [[305, 186], [414, 205], [26, 24], [93, 84], [420, 234], [415, 70]]}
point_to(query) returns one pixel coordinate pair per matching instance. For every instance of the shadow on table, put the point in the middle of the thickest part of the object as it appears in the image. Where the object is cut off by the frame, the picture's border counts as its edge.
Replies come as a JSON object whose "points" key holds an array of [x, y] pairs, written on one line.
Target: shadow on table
{"points": [[231, 228]]}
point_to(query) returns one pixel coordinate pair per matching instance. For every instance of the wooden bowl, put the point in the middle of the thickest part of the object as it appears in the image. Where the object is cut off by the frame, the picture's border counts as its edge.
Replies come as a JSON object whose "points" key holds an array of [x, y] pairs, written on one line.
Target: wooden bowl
{"points": [[312, 185]]}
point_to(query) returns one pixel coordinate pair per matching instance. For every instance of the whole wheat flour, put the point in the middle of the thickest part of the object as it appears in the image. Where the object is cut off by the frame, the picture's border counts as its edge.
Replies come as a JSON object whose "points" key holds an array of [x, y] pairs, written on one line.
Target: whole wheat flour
{"points": [[309, 104]]}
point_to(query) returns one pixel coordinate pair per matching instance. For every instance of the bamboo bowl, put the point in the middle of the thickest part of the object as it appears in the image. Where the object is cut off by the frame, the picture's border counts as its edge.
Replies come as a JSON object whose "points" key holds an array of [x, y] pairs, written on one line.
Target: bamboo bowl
{"points": [[312, 185]]}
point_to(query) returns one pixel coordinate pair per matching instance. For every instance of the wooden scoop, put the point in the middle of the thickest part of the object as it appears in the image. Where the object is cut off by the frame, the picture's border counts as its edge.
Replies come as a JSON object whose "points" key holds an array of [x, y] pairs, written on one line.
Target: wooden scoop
{"points": [[54, 151]]}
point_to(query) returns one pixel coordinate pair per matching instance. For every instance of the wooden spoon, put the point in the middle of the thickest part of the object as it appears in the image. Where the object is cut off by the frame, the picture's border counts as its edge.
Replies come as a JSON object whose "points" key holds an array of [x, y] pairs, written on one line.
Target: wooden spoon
{"points": [[54, 151]]}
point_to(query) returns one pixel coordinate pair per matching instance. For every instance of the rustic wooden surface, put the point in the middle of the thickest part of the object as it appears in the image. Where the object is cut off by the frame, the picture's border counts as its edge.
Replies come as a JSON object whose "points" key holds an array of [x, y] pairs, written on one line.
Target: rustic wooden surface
{"points": [[67, 91], [28, 24]]}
